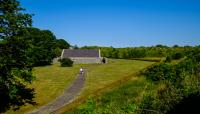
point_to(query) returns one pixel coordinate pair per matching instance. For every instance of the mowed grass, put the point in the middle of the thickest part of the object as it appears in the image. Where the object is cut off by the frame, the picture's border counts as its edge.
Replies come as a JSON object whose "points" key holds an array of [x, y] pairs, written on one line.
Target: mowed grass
{"points": [[99, 76], [52, 80]]}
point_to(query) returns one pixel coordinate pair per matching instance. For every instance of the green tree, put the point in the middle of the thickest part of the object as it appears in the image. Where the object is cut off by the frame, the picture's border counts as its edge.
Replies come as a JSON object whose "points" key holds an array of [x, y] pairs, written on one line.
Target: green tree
{"points": [[43, 46], [15, 66], [62, 44], [75, 47], [57, 52], [66, 62]]}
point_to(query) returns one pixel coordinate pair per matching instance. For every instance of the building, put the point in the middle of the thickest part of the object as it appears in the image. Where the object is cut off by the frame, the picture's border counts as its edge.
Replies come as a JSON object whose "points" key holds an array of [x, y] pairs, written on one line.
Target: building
{"points": [[82, 55]]}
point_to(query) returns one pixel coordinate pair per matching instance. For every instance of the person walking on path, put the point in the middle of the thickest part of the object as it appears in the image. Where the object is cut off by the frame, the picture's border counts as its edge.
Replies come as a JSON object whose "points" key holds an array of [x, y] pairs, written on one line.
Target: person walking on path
{"points": [[81, 70]]}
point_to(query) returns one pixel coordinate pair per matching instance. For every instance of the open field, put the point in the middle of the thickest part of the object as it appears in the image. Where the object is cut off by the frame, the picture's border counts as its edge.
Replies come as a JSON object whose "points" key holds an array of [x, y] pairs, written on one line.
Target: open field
{"points": [[52, 80], [99, 76]]}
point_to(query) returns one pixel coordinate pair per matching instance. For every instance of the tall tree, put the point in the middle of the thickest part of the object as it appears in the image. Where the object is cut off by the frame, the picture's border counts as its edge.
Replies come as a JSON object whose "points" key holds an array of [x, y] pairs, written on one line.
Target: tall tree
{"points": [[60, 44], [15, 66], [43, 46]]}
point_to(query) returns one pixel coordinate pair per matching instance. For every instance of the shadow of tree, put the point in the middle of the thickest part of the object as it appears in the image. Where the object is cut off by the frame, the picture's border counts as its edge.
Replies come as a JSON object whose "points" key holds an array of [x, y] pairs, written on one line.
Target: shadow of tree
{"points": [[22, 97], [189, 105]]}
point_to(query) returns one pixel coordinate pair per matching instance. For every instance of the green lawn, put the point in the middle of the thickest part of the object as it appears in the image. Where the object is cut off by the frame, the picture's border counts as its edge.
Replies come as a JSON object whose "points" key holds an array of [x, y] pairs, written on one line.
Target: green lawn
{"points": [[52, 80], [99, 76]]}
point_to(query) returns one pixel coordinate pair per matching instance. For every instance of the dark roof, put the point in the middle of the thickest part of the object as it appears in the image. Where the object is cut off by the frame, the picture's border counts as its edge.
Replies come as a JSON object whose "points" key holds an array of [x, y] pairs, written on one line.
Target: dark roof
{"points": [[80, 53]]}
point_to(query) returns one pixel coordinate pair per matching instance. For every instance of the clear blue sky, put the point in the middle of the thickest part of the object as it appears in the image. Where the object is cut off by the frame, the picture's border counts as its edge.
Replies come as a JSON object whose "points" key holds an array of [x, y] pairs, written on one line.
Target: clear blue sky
{"points": [[119, 23]]}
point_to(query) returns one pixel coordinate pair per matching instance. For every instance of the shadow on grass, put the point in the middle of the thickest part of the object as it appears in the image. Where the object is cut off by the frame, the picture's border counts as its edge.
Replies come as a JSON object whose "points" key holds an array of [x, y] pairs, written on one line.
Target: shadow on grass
{"points": [[189, 105], [21, 97]]}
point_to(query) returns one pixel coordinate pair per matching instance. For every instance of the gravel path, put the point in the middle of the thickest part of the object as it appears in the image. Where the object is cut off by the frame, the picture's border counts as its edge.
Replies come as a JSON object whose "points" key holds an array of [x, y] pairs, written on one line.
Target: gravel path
{"points": [[67, 97]]}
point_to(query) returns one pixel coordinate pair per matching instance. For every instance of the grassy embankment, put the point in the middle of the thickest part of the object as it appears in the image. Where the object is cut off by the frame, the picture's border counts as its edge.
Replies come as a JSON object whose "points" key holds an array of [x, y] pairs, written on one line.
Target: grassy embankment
{"points": [[102, 78], [120, 100], [52, 80], [123, 99]]}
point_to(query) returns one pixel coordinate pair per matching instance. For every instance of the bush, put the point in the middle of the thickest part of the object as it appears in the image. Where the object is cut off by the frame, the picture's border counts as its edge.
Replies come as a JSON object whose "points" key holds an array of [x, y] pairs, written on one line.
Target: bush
{"points": [[66, 62], [168, 59], [178, 82], [177, 55], [88, 107], [160, 72]]}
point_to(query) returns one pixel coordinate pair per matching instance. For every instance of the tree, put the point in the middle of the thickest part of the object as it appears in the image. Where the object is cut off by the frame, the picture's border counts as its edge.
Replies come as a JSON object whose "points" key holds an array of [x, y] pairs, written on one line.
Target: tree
{"points": [[43, 46], [66, 62], [75, 47], [62, 44], [177, 55], [15, 66]]}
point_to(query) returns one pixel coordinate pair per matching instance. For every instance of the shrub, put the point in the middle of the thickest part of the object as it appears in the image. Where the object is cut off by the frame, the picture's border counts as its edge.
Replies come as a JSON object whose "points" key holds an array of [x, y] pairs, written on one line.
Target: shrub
{"points": [[177, 55], [160, 72], [168, 59], [180, 81], [88, 107], [66, 62]]}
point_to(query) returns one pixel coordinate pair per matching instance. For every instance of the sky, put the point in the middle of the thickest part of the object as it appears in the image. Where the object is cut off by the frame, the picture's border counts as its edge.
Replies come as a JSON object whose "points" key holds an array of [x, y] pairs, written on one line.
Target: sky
{"points": [[119, 23]]}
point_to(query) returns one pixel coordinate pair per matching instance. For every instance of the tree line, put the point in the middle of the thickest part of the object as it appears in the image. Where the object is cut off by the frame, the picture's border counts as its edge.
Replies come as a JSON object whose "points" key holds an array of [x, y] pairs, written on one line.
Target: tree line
{"points": [[141, 52]]}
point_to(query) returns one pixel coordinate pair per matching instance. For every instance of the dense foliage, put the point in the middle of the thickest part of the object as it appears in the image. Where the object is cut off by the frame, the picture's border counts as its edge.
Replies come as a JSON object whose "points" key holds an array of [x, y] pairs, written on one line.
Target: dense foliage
{"points": [[178, 82], [15, 65], [140, 52], [66, 62], [60, 44], [44, 46]]}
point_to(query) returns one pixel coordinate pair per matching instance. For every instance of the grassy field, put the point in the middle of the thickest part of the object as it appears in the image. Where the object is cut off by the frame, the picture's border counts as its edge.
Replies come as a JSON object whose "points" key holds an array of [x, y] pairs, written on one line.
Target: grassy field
{"points": [[99, 76], [104, 76], [52, 80]]}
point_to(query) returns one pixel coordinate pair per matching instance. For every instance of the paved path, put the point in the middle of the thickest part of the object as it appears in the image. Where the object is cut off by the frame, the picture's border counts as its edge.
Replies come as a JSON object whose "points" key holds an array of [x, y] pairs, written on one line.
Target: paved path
{"points": [[67, 97]]}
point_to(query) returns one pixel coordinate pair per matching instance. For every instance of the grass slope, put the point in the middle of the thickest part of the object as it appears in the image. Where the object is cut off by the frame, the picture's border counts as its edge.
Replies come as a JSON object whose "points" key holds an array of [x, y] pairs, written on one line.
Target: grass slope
{"points": [[52, 80], [120, 100], [99, 76]]}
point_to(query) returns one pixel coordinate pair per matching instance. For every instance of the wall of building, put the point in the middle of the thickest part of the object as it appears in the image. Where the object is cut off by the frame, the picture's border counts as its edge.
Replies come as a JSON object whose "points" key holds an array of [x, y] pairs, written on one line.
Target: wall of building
{"points": [[86, 60]]}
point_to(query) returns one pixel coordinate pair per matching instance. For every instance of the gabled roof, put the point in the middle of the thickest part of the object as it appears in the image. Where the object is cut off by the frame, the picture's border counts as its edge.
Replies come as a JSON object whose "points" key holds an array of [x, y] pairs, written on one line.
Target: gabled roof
{"points": [[80, 53]]}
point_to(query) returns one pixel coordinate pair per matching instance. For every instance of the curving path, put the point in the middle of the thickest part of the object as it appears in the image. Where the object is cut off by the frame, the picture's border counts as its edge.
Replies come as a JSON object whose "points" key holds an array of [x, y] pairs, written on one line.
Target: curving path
{"points": [[67, 97]]}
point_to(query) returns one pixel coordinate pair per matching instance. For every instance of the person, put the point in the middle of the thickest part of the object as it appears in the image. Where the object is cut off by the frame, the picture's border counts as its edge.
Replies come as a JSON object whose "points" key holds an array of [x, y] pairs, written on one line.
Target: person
{"points": [[104, 60], [81, 70]]}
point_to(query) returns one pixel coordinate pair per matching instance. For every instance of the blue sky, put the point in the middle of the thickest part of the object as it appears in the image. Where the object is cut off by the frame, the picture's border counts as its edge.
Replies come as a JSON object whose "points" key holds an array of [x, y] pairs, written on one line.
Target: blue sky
{"points": [[119, 23]]}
